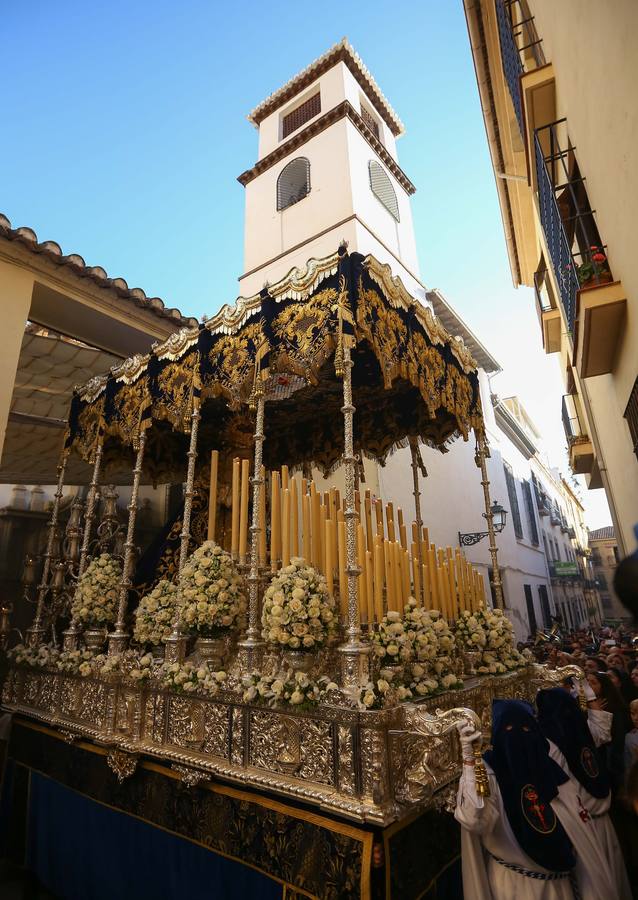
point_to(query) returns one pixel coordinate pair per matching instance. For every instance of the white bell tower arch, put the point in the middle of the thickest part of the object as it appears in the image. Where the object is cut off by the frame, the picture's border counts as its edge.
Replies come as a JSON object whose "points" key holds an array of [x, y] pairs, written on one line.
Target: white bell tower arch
{"points": [[327, 171]]}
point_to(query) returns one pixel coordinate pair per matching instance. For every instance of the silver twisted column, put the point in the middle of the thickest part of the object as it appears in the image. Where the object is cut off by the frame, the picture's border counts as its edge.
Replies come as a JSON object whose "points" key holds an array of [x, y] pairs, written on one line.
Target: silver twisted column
{"points": [[414, 451], [482, 452], [34, 635], [354, 653], [118, 638], [176, 644], [251, 647], [71, 635]]}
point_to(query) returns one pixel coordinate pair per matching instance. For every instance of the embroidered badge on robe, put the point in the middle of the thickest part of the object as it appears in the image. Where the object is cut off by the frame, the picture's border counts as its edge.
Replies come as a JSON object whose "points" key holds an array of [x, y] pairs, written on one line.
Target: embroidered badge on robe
{"points": [[589, 762], [539, 815]]}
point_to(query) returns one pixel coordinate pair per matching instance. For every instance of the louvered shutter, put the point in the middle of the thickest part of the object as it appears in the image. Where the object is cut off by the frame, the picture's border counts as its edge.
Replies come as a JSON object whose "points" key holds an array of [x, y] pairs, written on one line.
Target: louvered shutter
{"points": [[382, 189]]}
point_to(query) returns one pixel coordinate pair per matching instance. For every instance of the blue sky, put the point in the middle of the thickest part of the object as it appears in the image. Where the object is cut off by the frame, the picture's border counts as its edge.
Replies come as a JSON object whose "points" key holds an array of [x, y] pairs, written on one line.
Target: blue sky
{"points": [[125, 130]]}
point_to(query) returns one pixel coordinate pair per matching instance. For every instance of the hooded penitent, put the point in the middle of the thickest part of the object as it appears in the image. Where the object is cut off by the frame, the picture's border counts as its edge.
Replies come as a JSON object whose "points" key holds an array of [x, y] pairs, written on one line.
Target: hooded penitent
{"points": [[562, 721], [529, 780]]}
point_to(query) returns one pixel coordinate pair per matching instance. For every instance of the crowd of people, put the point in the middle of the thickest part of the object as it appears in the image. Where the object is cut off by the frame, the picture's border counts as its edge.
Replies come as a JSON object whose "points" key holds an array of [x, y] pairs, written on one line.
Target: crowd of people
{"points": [[560, 816]]}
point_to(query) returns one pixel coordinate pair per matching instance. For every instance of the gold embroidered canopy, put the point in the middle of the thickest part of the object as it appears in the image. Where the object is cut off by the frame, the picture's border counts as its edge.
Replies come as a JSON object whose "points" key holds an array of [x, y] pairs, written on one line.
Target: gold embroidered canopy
{"points": [[410, 378]]}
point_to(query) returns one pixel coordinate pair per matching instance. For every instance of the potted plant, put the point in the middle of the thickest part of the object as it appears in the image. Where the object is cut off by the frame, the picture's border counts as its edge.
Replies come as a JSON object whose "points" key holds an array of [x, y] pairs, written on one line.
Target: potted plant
{"points": [[95, 600], [594, 270]]}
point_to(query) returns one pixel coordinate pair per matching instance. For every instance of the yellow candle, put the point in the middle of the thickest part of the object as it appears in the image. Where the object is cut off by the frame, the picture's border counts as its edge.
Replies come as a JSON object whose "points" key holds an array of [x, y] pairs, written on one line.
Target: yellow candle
{"points": [[243, 509], [305, 532], [389, 515], [434, 581], [407, 582], [399, 599], [262, 519], [294, 523], [378, 511], [369, 574], [343, 583], [415, 533], [389, 575], [275, 522], [285, 531], [212, 495], [329, 573], [367, 512], [323, 518], [378, 579], [285, 477], [442, 584], [450, 573], [403, 534], [425, 581], [416, 575], [316, 526], [234, 534], [363, 581]]}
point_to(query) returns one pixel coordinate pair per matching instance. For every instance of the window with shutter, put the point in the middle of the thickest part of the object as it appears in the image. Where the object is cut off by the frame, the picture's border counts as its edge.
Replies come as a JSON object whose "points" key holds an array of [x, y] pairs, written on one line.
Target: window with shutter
{"points": [[531, 613], [302, 114], [531, 514], [371, 122], [511, 493], [382, 189], [547, 616], [293, 183]]}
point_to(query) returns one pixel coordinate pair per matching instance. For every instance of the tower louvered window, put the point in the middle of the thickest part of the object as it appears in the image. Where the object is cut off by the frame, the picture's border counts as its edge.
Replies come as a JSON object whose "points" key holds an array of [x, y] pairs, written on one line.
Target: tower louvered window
{"points": [[302, 114], [293, 183], [382, 189], [371, 122]]}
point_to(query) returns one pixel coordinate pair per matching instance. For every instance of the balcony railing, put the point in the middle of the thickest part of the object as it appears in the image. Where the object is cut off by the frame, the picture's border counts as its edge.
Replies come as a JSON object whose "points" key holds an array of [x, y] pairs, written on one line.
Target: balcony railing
{"points": [[571, 422], [577, 254], [520, 49]]}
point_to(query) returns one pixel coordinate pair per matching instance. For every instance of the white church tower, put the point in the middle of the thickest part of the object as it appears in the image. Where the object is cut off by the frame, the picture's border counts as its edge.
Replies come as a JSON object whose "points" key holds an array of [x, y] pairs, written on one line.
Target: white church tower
{"points": [[327, 172]]}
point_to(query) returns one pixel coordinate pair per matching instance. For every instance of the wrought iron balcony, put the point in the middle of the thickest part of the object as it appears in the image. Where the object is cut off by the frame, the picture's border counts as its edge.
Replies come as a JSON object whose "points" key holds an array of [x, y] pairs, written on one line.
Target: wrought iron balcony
{"points": [[520, 49], [579, 445], [576, 251]]}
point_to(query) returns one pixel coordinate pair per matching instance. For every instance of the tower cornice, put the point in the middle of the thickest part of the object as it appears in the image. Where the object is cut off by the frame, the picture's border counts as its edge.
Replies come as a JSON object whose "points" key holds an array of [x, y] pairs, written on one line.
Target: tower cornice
{"points": [[344, 110]]}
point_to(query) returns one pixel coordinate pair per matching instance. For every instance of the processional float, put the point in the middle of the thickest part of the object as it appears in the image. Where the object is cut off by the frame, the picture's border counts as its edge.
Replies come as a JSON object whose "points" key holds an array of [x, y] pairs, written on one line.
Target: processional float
{"points": [[335, 364]]}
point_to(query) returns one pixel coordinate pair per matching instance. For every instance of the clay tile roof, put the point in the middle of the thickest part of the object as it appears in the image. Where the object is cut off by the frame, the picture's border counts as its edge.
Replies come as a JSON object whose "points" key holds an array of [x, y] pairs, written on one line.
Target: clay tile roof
{"points": [[602, 534], [75, 264], [341, 52]]}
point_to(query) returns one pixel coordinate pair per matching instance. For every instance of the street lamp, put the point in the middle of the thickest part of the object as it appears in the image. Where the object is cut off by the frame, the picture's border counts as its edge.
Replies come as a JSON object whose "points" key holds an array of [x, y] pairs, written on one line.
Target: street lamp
{"points": [[499, 519]]}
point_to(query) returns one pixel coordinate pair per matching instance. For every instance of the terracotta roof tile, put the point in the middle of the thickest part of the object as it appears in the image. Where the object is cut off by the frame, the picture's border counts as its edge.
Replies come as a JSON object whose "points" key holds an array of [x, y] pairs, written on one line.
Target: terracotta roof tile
{"points": [[74, 262]]}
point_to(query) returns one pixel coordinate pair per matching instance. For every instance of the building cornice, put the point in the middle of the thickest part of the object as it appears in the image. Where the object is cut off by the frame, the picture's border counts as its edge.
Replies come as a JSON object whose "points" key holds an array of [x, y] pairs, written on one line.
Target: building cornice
{"points": [[341, 52], [508, 424], [344, 110]]}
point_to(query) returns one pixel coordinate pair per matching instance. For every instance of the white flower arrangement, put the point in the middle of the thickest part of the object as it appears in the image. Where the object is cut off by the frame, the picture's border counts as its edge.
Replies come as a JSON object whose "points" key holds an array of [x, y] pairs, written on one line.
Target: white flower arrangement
{"points": [[189, 678], [210, 592], [491, 633], [131, 664], [286, 688], [95, 599], [155, 614], [469, 631], [75, 662], [393, 639], [298, 611], [42, 657]]}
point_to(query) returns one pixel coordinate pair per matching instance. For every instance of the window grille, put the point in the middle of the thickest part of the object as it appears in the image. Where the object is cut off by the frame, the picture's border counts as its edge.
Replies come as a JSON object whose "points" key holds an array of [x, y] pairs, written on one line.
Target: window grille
{"points": [[511, 493], [293, 183], [382, 189], [371, 122], [302, 114], [531, 516], [631, 414]]}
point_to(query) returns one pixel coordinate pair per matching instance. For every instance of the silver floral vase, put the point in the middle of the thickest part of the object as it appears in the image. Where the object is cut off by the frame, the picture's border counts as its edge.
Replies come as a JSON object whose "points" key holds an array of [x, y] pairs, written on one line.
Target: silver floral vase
{"points": [[94, 639], [298, 660], [211, 651], [157, 651], [471, 661]]}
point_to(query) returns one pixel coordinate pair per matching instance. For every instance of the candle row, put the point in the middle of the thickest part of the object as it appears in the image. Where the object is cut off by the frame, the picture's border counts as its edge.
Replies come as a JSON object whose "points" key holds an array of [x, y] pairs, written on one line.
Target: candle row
{"points": [[308, 523]]}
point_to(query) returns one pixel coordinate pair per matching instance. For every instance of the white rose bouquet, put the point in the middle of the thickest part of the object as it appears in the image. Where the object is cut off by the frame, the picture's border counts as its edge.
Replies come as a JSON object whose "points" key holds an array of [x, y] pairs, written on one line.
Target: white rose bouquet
{"points": [[95, 599], [393, 639], [155, 614], [210, 592], [42, 657], [189, 678], [469, 631], [285, 688], [298, 611]]}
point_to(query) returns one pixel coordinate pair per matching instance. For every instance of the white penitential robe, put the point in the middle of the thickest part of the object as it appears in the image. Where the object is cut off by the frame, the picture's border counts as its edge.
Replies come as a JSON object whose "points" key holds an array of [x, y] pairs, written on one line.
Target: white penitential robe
{"points": [[486, 833], [599, 723], [598, 809]]}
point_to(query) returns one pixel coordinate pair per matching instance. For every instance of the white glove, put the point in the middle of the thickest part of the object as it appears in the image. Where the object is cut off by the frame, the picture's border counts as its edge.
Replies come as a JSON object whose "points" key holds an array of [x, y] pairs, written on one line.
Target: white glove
{"points": [[467, 735]]}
